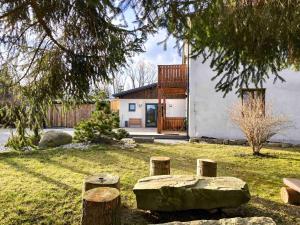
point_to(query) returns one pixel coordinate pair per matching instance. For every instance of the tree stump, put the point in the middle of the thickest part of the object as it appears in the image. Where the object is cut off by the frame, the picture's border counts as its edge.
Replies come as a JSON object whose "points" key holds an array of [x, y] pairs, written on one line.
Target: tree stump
{"points": [[101, 180], [206, 168], [290, 196], [159, 166], [101, 206]]}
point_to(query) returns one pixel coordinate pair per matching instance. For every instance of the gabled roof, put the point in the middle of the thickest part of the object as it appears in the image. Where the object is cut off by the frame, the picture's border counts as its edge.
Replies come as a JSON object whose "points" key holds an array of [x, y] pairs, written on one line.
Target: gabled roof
{"points": [[122, 93]]}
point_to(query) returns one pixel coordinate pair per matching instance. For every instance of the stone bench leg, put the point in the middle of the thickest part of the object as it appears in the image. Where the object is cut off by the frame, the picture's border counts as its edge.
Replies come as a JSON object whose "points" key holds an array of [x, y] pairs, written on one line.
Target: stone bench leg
{"points": [[290, 196], [206, 168], [159, 166]]}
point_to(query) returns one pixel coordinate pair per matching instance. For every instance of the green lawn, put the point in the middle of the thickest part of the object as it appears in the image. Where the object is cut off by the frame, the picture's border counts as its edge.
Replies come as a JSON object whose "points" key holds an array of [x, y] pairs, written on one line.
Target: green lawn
{"points": [[44, 187]]}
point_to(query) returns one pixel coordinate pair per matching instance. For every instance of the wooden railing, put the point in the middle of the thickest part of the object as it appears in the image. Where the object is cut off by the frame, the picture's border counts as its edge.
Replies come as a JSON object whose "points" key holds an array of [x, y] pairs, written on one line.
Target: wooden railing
{"points": [[174, 124], [172, 76]]}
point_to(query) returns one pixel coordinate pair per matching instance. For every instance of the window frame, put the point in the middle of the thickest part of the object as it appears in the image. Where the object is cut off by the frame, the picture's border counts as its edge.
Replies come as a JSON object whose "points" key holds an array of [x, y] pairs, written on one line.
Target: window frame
{"points": [[131, 104]]}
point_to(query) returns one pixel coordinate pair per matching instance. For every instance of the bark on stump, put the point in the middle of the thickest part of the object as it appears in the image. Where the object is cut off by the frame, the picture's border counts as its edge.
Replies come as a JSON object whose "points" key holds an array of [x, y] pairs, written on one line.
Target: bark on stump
{"points": [[290, 196], [206, 168], [101, 206], [101, 180], [159, 166]]}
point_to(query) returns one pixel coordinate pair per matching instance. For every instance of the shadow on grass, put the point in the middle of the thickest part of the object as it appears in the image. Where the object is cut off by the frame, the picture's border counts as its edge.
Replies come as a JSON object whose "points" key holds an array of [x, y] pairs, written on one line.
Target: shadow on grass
{"points": [[282, 214], [42, 177]]}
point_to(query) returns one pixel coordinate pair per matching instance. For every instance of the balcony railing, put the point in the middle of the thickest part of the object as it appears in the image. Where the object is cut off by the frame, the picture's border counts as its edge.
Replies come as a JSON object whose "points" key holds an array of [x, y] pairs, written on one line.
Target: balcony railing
{"points": [[174, 124], [172, 76]]}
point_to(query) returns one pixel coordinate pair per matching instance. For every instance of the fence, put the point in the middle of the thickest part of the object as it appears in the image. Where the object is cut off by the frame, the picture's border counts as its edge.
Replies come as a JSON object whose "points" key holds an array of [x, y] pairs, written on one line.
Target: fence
{"points": [[59, 116]]}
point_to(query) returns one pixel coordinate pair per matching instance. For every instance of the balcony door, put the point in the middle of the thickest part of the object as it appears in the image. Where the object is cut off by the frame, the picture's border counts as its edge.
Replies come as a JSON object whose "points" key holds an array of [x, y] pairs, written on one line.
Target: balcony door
{"points": [[151, 115]]}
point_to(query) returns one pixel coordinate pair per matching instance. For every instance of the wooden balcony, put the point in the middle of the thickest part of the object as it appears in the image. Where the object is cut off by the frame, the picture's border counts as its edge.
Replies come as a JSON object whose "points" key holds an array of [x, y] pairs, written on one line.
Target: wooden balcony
{"points": [[172, 83], [172, 76], [174, 124]]}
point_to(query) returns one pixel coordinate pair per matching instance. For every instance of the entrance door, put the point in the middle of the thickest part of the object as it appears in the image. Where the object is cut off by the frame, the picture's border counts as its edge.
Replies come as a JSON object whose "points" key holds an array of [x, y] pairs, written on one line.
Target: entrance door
{"points": [[151, 115]]}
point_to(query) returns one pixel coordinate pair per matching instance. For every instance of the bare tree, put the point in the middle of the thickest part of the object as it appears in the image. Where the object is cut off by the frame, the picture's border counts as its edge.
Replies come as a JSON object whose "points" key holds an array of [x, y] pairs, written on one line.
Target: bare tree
{"points": [[118, 81], [141, 73], [257, 121]]}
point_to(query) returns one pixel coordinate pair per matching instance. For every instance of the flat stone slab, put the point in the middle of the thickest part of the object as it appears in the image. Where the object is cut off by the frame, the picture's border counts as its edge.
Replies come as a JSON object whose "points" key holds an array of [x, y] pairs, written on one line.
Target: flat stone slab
{"points": [[292, 183], [143, 139], [231, 221], [184, 192]]}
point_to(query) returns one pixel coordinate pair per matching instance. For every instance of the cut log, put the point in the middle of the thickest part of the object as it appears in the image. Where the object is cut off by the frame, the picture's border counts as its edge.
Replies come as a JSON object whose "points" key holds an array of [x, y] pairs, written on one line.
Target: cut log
{"points": [[159, 166], [101, 180], [206, 168], [290, 196], [101, 206]]}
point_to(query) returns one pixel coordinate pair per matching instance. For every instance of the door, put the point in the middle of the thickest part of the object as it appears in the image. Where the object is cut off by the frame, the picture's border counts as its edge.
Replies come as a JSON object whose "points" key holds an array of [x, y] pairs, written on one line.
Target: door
{"points": [[151, 115]]}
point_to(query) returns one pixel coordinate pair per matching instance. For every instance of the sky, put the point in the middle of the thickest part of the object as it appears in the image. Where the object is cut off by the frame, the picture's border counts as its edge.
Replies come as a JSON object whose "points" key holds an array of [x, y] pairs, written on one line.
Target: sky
{"points": [[156, 54]]}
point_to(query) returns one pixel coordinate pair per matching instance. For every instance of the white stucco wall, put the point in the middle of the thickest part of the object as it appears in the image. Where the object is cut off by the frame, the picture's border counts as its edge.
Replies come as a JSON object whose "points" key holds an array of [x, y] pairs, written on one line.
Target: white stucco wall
{"points": [[208, 110], [175, 108]]}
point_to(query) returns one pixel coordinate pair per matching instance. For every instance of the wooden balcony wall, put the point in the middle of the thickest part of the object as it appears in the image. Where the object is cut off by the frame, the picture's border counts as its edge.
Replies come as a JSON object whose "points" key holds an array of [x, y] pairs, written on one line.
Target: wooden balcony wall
{"points": [[174, 124], [172, 76], [172, 80]]}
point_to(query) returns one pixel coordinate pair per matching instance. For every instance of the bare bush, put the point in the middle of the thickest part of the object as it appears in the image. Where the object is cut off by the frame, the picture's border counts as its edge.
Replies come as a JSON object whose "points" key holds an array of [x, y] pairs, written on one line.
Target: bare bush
{"points": [[257, 121]]}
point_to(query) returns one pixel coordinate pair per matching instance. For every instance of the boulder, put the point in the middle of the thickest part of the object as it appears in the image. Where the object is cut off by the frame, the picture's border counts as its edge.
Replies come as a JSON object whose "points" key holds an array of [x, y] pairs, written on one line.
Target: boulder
{"points": [[184, 192], [230, 221], [55, 139]]}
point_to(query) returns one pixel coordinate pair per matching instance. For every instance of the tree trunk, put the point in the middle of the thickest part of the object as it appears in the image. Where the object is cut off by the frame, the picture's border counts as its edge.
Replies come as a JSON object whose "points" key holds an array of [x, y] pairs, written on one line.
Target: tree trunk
{"points": [[159, 166], [101, 180], [101, 206], [206, 168], [289, 196]]}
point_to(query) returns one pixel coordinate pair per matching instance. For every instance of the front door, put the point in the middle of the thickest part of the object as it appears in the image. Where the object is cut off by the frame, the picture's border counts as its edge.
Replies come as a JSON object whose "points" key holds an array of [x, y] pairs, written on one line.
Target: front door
{"points": [[151, 115]]}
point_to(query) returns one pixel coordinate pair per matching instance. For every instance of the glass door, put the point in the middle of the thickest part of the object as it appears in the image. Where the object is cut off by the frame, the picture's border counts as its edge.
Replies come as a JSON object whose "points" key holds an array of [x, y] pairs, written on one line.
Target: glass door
{"points": [[151, 115]]}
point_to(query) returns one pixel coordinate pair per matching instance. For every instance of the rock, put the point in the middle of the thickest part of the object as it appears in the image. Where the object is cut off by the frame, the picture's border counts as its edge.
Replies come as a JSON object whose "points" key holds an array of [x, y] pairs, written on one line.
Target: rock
{"points": [[55, 139], [230, 221], [194, 140], [273, 144], [128, 143], [286, 145], [184, 192]]}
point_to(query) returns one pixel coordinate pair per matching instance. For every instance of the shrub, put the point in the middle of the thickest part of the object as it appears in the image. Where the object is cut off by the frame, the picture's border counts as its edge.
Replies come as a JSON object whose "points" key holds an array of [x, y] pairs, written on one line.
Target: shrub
{"points": [[99, 128], [257, 122], [120, 134]]}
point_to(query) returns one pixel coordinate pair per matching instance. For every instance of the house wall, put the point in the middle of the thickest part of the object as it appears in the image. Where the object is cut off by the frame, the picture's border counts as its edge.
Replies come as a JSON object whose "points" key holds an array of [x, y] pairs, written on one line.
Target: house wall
{"points": [[208, 110], [175, 108]]}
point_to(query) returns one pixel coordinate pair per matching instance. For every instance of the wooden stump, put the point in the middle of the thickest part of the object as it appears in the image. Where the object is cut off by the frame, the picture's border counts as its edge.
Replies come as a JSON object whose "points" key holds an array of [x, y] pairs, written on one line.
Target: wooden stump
{"points": [[101, 206], [101, 180], [290, 196], [159, 166], [206, 168]]}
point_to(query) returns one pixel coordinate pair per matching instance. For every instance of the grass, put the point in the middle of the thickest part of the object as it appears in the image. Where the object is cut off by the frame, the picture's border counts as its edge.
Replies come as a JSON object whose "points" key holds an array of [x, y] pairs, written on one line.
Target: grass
{"points": [[44, 187]]}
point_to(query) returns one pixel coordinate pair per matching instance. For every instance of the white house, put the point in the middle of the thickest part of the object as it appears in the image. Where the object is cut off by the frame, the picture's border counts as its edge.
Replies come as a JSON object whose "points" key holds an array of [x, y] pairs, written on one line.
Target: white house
{"points": [[138, 107], [208, 110]]}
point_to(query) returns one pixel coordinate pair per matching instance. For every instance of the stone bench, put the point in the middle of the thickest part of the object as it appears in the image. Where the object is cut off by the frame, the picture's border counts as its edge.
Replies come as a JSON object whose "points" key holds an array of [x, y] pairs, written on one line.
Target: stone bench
{"points": [[291, 193], [233, 221], [184, 192]]}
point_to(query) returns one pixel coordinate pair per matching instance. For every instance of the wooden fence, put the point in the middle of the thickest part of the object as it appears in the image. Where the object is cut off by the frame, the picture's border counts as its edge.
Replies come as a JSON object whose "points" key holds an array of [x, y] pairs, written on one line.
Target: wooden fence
{"points": [[59, 116], [174, 124]]}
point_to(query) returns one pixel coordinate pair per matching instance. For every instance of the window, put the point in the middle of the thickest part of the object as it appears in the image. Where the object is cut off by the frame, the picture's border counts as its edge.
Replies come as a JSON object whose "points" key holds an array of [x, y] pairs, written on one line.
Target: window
{"points": [[131, 107], [248, 96]]}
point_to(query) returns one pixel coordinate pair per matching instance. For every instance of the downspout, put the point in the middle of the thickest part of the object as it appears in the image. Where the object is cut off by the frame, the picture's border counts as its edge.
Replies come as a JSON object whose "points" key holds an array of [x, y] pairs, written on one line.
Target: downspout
{"points": [[188, 89]]}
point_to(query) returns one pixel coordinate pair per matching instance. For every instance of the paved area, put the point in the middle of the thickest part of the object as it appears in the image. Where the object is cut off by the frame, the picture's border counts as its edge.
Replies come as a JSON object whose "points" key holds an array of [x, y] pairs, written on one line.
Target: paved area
{"points": [[152, 131]]}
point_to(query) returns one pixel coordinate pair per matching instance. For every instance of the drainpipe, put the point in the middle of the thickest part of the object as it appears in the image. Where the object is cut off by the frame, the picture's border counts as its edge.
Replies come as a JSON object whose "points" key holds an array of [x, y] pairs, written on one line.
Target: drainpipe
{"points": [[188, 89]]}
